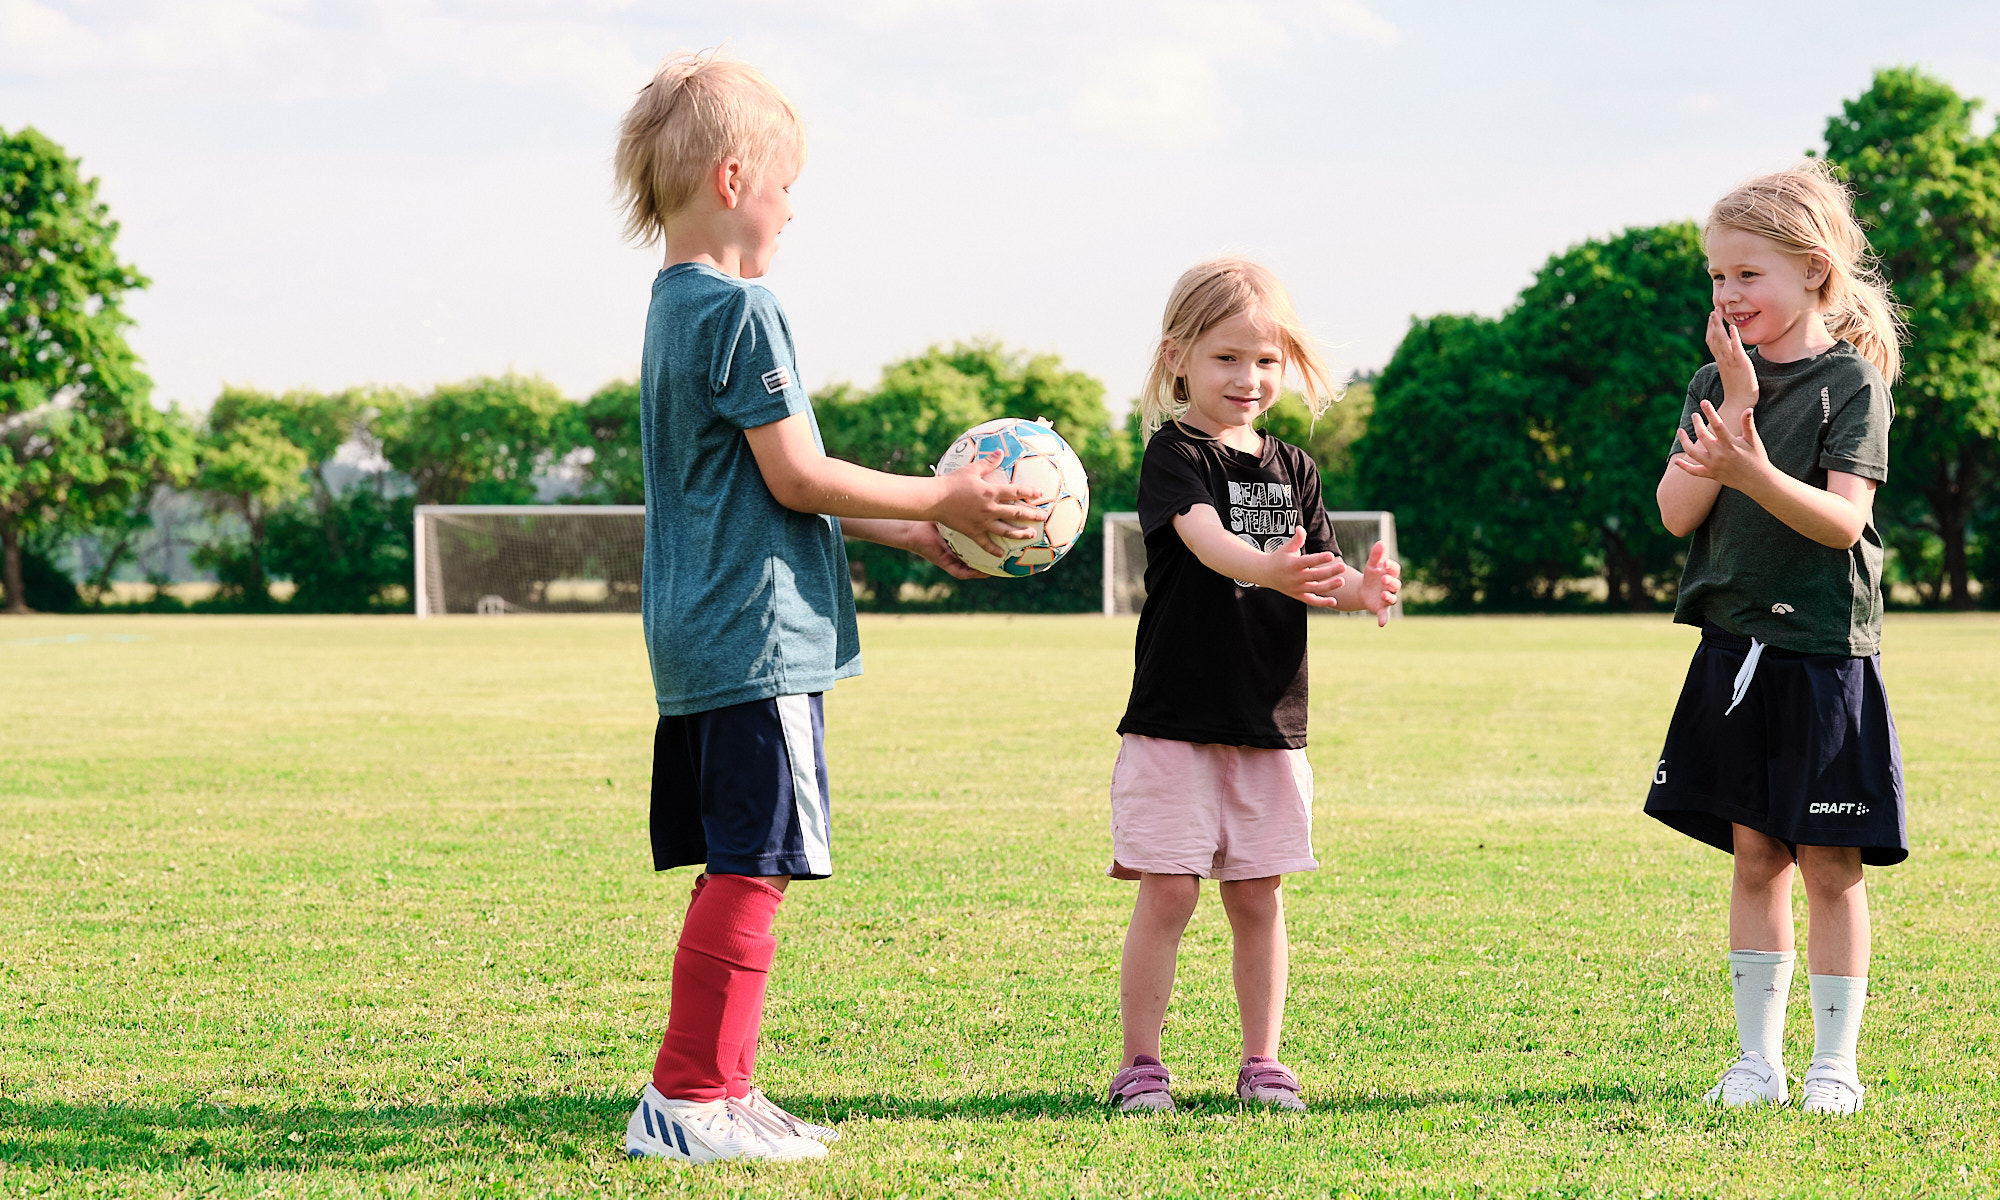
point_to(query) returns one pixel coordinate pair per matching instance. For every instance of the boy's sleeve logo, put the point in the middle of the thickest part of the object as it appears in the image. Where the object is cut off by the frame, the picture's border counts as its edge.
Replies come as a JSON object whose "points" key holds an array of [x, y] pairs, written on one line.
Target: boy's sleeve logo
{"points": [[776, 380]]}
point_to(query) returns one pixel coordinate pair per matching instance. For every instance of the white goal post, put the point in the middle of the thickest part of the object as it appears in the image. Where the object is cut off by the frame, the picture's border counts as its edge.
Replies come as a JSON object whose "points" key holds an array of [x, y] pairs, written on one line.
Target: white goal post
{"points": [[498, 559], [1125, 553]]}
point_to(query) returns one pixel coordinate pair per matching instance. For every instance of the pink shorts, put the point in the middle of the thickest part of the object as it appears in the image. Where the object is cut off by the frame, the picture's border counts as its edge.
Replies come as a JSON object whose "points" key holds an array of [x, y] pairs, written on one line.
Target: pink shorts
{"points": [[1220, 812]]}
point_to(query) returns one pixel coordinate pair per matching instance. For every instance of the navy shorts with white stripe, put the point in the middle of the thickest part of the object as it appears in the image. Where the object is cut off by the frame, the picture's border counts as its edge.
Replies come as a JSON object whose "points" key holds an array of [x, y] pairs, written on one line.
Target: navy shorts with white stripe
{"points": [[742, 790]]}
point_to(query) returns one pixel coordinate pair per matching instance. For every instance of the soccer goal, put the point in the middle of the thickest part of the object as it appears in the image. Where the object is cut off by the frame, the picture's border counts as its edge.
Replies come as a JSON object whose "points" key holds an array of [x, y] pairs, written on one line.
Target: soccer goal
{"points": [[1125, 553], [501, 559]]}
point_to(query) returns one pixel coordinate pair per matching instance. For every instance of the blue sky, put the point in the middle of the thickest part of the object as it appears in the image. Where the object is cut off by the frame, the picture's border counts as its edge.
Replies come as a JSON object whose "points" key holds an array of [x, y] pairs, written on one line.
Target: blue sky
{"points": [[336, 193]]}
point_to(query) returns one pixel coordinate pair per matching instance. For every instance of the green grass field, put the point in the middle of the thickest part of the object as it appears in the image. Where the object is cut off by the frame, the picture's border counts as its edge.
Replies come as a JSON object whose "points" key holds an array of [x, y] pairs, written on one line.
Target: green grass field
{"points": [[304, 906]]}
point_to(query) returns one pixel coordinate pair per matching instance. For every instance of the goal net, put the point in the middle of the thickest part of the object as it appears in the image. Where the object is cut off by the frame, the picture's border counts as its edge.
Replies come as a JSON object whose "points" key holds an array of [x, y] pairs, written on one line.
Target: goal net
{"points": [[1125, 553], [499, 559]]}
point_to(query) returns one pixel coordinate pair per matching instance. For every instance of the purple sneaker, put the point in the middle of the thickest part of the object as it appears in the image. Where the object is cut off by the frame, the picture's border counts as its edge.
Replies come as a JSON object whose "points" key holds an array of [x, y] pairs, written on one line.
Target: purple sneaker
{"points": [[1142, 1087], [1269, 1082]]}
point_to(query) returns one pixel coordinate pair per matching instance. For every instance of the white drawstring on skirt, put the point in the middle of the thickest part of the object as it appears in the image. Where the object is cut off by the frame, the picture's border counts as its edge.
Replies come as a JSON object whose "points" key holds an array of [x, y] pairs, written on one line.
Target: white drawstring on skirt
{"points": [[1744, 676]]}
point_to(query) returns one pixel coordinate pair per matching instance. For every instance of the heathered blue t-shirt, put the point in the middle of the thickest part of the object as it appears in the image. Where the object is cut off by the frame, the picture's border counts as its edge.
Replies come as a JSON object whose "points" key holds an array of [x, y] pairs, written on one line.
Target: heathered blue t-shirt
{"points": [[744, 599]]}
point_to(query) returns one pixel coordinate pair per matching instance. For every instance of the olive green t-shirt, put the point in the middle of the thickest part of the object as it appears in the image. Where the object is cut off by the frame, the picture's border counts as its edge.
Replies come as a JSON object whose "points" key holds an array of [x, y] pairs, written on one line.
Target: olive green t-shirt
{"points": [[1754, 575]]}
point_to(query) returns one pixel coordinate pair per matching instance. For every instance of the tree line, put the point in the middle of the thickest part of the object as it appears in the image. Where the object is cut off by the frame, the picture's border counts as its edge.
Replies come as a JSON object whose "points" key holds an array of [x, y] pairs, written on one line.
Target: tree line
{"points": [[1519, 452]]}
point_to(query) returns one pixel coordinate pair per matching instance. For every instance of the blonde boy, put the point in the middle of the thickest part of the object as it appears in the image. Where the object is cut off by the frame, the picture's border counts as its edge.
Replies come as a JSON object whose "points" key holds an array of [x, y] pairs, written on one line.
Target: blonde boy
{"points": [[749, 616]]}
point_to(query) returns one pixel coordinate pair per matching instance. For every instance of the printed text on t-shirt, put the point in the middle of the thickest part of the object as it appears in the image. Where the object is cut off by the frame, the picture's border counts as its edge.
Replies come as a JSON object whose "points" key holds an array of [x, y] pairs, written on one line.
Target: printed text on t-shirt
{"points": [[1262, 508]]}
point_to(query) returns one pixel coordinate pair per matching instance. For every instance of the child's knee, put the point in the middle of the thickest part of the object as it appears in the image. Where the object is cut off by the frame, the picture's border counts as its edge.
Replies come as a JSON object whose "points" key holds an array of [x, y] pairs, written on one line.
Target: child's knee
{"points": [[1829, 870], [1760, 859], [1170, 895], [1251, 896]]}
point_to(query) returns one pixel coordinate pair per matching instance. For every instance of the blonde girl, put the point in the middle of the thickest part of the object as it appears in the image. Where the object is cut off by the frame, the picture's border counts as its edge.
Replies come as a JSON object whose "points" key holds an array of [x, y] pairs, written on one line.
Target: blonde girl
{"points": [[1782, 750], [1211, 780]]}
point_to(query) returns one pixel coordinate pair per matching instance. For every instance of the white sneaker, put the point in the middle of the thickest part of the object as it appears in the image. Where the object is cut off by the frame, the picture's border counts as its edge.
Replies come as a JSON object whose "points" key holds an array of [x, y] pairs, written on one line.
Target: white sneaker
{"points": [[1749, 1080], [1832, 1087], [766, 1111], [700, 1131]]}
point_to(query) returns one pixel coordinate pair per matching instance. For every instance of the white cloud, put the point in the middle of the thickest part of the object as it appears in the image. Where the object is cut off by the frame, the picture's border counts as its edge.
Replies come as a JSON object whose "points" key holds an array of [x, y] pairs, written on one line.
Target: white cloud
{"points": [[1160, 93], [1352, 18], [884, 14], [40, 39], [591, 59], [1163, 88], [298, 50]]}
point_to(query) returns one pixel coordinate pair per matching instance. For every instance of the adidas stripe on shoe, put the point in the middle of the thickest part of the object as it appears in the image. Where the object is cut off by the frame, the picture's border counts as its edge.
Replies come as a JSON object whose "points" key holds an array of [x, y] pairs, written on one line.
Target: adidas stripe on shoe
{"points": [[700, 1131]]}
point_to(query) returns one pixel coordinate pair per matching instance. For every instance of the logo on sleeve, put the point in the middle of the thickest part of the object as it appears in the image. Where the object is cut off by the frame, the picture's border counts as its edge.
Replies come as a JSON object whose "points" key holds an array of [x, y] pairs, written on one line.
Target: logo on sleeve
{"points": [[1781, 608], [776, 380]]}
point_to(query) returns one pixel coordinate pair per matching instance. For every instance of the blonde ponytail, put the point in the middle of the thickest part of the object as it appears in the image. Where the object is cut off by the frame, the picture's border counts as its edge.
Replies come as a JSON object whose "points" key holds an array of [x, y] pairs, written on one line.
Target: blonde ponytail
{"points": [[1807, 211]]}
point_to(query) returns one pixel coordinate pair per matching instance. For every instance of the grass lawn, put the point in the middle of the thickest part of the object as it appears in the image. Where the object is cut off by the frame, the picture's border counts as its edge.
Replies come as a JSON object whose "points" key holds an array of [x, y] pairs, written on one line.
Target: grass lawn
{"points": [[324, 906]]}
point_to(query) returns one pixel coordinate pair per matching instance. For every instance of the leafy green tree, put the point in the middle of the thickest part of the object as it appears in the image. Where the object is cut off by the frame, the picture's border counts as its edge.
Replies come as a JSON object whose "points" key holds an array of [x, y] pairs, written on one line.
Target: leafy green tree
{"points": [[607, 425], [1462, 450], [1927, 185], [373, 532], [478, 442], [1606, 338], [249, 468], [77, 436]]}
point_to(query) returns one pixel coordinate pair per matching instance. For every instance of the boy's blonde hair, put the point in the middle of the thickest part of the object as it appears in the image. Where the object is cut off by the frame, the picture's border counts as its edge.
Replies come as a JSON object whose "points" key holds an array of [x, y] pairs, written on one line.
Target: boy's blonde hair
{"points": [[1807, 210], [1205, 296], [698, 111]]}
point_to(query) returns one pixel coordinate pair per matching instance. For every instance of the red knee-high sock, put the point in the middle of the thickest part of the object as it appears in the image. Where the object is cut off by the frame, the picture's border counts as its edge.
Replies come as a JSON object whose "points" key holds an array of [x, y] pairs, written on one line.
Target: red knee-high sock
{"points": [[717, 1005]]}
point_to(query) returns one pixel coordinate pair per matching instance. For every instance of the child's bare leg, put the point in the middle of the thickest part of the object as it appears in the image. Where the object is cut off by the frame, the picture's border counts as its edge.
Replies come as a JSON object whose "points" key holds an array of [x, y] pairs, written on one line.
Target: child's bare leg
{"points": [[1837, 947], [1261, 960], [1760, 894], [1152, 944], [1838, 934]]}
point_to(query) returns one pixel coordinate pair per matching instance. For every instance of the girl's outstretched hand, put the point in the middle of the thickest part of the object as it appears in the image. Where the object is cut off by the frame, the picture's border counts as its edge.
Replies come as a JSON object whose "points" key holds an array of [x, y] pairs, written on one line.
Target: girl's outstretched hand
{"points": [[986, 509], [1739, 378], [1311, 578], [1716, 453], [1381, 580]]}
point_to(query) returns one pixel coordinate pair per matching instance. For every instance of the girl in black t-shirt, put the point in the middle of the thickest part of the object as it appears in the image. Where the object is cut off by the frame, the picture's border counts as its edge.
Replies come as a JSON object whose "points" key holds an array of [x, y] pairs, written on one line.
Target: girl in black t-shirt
{"points": [[1782, 750], [1211, 780]]}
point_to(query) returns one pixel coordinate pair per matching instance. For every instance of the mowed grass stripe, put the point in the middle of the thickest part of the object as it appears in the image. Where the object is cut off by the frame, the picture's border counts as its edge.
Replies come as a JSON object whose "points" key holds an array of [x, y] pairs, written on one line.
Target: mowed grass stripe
{"points": [[363, 906]]}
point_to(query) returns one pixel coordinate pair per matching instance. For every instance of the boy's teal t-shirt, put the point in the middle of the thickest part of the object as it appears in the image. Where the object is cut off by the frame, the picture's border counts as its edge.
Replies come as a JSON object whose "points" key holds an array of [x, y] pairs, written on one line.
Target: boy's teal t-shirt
{"points": [[744, 599]]}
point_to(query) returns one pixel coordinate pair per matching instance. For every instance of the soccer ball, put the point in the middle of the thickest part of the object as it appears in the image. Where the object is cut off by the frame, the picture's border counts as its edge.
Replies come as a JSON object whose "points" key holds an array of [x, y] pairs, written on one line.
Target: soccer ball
{"points": [[1033, 453]]}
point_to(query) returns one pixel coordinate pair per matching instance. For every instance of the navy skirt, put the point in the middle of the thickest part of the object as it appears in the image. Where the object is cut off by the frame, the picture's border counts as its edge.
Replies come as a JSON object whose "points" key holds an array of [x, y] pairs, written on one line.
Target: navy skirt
{"points": [[1809, 756]]}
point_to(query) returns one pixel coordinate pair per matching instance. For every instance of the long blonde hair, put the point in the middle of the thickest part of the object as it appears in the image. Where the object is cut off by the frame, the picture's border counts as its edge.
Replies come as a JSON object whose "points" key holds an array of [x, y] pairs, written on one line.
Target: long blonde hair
{"points": [[697, 111], [1807, 210], [1205, 296]]}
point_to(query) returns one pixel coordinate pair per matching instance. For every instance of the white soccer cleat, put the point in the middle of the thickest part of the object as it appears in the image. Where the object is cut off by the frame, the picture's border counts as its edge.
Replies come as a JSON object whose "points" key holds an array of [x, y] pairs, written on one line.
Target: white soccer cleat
{"points": [[1749, 1080], [700, 1131], [765, 1112], [1832, 1087]]}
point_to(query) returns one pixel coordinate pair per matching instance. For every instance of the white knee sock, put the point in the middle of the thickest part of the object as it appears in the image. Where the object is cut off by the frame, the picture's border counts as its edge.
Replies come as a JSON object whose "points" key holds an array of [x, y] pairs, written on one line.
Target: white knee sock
{"points": [[1761, 981], [1837, 1001]]}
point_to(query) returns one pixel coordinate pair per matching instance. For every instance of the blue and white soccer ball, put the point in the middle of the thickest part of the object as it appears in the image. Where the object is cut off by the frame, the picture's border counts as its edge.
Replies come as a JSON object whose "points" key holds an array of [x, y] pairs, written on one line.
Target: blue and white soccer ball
{"points": [[1033, 453]]}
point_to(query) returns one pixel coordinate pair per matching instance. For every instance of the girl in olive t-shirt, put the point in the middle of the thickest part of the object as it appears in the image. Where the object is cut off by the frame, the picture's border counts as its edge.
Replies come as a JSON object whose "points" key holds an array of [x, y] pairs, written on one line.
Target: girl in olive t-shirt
{"points": [[1782, 750]]}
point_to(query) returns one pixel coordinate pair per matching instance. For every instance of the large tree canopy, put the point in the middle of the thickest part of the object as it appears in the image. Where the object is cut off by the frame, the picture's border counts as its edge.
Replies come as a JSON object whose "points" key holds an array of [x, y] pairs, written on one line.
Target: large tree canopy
{"points": [[1458, 446], [1607, 337], [77, 436], [1927, 186], [479, 442]]}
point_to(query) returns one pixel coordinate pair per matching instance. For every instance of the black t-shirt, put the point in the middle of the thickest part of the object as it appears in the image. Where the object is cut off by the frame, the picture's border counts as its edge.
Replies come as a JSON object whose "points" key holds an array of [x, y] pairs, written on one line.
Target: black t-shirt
{"points": [[1219, 661]]}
